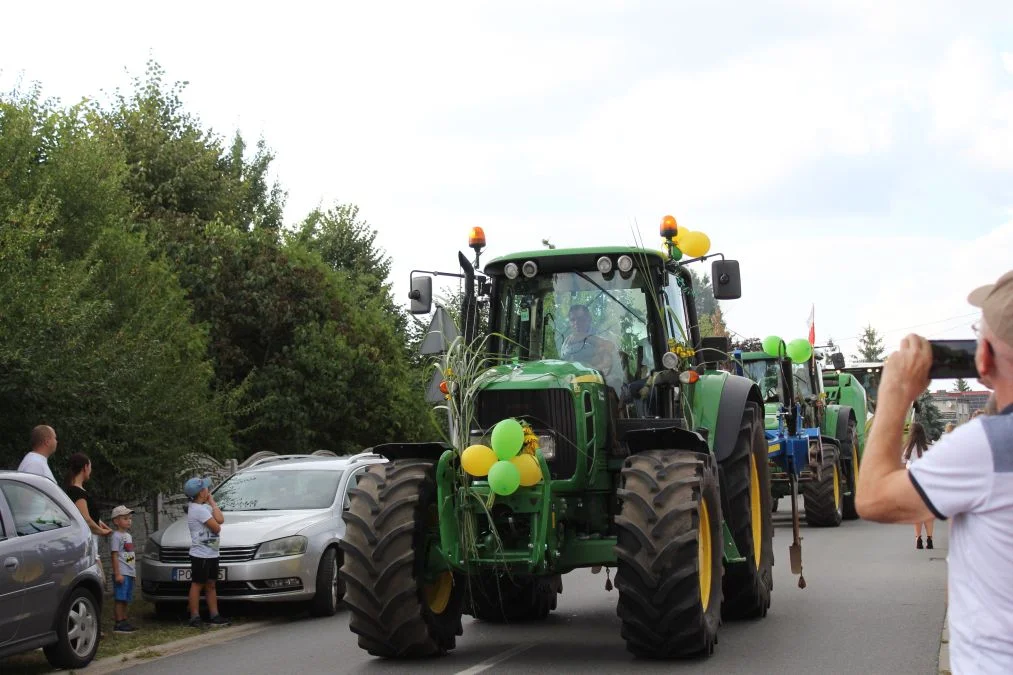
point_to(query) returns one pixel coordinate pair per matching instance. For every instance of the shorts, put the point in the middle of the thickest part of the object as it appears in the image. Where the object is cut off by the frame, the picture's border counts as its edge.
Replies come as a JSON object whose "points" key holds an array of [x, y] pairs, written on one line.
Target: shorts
{"points": [[203, 570], [123, 591]]}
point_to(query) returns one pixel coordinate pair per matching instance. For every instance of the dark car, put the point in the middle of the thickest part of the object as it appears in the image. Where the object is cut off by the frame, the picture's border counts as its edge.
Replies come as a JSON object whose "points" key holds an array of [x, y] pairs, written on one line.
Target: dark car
{"points": [[50, 585]]}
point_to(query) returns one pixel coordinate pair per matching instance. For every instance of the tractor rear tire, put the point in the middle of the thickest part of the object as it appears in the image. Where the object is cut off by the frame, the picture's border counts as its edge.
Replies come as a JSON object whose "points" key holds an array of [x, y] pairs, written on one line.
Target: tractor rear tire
{"points": [[824, 503], [745, 486], [497, 598], [669, 552], [849, 461], [398, 608]]}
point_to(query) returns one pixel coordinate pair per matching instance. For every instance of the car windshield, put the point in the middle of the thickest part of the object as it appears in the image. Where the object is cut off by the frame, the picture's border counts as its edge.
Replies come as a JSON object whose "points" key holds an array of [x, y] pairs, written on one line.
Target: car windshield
{"points": [[278, 490]]}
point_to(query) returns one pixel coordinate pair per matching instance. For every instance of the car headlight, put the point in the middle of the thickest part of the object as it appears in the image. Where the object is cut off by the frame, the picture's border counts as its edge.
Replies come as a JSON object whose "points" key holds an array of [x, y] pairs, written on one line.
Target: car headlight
{"points": [[152, 551], [295, 545]]}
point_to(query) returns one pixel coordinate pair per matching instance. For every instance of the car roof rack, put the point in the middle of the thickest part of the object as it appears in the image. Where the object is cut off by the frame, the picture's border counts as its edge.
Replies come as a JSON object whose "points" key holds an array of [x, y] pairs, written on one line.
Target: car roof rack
{"points": [[283, 458]]}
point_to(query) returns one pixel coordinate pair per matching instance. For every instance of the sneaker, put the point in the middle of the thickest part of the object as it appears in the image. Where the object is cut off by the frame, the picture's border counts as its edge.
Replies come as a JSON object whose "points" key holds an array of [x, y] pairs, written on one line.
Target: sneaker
{"points": [[928, 542], [123, 627], [195, 622], [218, 620], [918, 543]]}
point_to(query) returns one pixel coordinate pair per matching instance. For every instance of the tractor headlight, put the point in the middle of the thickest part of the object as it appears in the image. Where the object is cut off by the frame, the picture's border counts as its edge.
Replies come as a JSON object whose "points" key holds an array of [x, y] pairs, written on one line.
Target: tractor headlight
{"points": [[529, 268], [510, 270], [547, 444], [604, 264], [625, 264], [670, 360]]}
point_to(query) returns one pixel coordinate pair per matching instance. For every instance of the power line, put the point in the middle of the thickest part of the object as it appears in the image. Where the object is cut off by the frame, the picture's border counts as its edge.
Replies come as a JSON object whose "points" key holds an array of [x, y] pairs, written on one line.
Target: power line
{"points": [[917, 325]]}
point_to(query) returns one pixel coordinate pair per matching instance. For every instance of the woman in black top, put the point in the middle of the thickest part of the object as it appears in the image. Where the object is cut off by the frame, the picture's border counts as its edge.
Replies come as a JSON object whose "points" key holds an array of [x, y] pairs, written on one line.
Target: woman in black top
{"points": [[80, 471]]}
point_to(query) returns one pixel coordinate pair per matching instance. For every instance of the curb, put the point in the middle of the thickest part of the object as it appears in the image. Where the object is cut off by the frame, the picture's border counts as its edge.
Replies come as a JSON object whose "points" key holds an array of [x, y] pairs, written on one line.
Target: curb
{"points": [[112, 664], [944, 647]]}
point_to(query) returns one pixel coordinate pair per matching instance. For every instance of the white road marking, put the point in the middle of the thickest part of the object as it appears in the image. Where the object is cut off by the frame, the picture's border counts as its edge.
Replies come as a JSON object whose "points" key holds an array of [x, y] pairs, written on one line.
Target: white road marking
{"points": [[499, 658]]}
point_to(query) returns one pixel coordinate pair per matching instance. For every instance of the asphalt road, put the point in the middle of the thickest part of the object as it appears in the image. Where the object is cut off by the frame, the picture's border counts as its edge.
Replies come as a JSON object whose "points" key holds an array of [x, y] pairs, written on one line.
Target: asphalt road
{"points": [[874, 604]]}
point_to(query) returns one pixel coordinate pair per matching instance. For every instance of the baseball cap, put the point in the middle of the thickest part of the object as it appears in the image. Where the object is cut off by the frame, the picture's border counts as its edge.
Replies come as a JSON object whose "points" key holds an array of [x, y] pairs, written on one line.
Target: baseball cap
{"points": [[121, 511], [996, 302], [193, 486]]}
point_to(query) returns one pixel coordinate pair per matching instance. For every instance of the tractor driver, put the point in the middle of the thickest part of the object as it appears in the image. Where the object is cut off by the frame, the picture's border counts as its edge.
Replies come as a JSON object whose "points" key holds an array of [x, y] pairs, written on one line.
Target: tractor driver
{"points": [[584, 346]]}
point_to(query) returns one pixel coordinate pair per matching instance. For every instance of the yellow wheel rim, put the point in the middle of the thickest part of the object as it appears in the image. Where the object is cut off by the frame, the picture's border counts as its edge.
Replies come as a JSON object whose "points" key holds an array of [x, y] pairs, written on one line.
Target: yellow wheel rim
{"points": [[754, 512], [704, 552], [837, 488], [438, 593]]}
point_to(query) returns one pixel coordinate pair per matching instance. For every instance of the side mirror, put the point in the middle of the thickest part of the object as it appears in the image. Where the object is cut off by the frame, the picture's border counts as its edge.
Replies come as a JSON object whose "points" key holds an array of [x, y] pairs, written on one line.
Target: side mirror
{"points": [[837, 360], [421, 295], [725, 280]]}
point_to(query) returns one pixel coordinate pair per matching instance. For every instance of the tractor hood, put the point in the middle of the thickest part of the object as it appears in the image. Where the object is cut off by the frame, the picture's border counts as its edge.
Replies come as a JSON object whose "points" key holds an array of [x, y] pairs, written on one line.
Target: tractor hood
{"points": [[548, 374]]}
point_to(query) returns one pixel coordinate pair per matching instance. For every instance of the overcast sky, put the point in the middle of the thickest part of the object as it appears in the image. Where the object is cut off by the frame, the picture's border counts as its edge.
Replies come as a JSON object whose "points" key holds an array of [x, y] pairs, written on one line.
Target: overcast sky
{"points": [[856, 155]]}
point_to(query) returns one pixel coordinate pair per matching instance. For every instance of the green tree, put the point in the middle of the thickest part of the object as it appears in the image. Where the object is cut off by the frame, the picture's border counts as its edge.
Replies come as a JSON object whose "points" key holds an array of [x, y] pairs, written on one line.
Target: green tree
{"points": [[961, 385], [870, 346], [929, 415]]}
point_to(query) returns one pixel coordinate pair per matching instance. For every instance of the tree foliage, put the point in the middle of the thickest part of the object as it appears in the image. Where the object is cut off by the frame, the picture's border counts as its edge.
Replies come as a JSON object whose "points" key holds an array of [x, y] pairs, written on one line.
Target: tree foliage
{"points": [[961, 385], [929, 415], [152, 305], [870, 346]]}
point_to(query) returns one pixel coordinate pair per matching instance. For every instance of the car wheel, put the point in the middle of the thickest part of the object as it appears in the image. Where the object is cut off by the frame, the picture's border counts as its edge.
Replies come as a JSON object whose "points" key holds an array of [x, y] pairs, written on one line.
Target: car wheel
{"points": [[330, 588], [77, 631]]}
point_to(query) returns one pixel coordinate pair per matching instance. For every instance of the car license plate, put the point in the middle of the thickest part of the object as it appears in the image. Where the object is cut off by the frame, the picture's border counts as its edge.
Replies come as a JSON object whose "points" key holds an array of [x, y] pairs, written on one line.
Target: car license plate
{"points": [[185, 574]]}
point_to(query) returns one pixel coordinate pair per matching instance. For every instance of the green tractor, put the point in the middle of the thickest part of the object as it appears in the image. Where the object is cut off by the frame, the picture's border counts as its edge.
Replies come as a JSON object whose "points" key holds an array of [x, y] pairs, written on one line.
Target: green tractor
{"points": [[826, 406], [650, 460]]}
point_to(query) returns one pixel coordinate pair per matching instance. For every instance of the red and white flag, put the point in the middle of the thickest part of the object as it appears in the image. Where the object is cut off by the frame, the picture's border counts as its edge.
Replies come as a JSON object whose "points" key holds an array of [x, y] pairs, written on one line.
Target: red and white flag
{"points": [[812, 325]]}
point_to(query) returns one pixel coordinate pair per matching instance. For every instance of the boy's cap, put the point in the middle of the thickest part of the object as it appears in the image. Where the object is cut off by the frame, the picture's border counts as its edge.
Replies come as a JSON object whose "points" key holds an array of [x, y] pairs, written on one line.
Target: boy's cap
{"points": [[193, 486], [121, 511], [996, 302]]}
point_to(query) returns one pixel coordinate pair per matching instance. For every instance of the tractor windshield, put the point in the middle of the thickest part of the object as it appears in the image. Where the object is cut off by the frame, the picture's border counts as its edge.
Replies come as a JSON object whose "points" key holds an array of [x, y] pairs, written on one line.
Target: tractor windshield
{"points": [[600, 321], [764, 373]]}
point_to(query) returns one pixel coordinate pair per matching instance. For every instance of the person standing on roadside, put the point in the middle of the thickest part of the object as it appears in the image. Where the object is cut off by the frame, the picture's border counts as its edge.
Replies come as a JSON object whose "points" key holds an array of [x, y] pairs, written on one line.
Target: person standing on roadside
{"points": [[123, 561], [918, 445], [204, 519], [78, 474], [968, 477], [36, 460]]}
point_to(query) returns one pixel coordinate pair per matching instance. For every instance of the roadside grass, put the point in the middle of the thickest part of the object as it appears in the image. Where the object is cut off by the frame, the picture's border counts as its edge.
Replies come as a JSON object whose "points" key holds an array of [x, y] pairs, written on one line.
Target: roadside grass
{"points": [[152, 630]]}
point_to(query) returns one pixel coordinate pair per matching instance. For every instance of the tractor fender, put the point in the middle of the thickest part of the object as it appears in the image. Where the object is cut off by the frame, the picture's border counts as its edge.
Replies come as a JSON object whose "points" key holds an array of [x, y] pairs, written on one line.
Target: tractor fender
{"points": [[430, 450], [734, 395], [664, 438], [844, 413]]}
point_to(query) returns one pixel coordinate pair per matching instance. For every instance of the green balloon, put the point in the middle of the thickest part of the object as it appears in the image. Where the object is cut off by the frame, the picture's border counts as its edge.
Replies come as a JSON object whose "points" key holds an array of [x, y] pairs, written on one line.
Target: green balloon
{"points": [[504, 478], [799, 350], [507, 438], [773, 345]]}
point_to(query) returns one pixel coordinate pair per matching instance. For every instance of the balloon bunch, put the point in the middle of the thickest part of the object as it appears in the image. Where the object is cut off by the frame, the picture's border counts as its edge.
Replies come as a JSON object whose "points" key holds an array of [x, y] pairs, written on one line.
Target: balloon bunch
{"points": [[693, 244], [799, 351], [504, 464]]}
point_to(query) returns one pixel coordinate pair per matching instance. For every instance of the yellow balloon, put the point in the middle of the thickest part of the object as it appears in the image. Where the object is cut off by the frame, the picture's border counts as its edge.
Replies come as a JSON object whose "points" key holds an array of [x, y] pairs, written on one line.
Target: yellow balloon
{"points": [[478, 459], [681, 234], [695, 244], [530, 470]]}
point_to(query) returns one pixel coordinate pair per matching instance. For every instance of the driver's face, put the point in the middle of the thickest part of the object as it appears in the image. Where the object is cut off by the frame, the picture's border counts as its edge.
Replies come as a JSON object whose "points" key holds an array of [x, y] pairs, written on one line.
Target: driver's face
{"points": [[580, 320]]}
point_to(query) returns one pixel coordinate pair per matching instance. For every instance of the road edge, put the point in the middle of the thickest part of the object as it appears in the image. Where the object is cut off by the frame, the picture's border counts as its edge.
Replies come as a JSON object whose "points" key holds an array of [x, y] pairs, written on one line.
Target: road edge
{"points": [[944, 646], [112, 664]]}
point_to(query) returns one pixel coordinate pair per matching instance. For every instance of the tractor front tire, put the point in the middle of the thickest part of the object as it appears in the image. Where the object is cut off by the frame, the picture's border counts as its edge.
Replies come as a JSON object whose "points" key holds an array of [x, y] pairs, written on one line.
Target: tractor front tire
{"points": [[745, 485], [669, 552], [498, 598], [399, 609], [849, 458], [824, 502]]}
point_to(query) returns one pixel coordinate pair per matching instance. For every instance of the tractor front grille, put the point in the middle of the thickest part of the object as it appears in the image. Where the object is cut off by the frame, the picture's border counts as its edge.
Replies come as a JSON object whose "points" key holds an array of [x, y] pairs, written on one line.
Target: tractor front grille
{"points": [[545, 410]]}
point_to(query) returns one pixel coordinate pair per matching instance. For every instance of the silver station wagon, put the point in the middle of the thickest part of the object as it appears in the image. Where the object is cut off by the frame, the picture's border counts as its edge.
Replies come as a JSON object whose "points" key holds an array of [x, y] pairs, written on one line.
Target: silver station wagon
{"points": [[279, 542]]}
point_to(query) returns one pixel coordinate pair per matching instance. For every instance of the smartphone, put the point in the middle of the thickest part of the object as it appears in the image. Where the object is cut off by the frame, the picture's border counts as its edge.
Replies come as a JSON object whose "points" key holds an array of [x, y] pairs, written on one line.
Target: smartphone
{"points": [[952, 359]]}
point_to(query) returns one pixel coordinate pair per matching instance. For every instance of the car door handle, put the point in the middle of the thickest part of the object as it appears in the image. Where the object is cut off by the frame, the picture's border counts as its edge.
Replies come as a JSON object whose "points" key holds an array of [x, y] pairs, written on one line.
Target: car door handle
{"points": [[11, 564]]}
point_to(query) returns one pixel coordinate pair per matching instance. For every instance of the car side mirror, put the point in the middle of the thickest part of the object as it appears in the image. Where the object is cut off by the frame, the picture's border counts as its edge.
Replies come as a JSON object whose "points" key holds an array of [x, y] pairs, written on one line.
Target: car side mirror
{"points": [[837, 360], [421, 295], [725, 280]]}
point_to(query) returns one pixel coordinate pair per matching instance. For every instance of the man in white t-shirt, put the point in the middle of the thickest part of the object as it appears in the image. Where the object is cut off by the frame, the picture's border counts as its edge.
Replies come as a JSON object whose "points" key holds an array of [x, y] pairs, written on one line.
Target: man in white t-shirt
{"points": [[43, 441], [968, 477]]}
